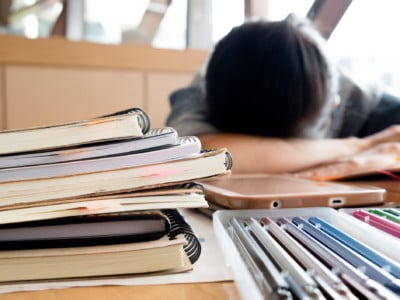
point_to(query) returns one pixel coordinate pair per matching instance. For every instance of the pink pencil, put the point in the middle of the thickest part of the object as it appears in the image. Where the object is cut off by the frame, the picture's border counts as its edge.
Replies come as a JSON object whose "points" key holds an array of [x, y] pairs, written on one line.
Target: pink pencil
{"points": [[378, 222]]}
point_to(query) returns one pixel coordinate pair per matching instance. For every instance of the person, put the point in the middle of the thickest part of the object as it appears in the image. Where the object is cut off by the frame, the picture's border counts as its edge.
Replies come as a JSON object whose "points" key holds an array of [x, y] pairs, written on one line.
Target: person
{"points": [[272, 95]]}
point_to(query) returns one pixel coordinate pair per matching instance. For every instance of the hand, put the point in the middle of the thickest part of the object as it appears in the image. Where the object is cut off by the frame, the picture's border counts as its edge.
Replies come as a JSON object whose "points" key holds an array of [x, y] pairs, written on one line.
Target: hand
{"points": [[380, 157], [390, 134], [384, 148]]}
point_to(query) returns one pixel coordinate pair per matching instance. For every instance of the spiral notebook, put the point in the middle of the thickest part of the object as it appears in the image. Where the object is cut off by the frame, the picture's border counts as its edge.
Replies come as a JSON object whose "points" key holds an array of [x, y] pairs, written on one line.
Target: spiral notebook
{"points": [[207, 163], [184, 147], [129, 123], [155, 137], [100, 245]]}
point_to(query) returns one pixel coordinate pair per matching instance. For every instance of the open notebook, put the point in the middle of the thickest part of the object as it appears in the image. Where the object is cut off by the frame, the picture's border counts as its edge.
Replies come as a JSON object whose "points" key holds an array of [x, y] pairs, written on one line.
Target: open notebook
{"points": [[284, 191]]}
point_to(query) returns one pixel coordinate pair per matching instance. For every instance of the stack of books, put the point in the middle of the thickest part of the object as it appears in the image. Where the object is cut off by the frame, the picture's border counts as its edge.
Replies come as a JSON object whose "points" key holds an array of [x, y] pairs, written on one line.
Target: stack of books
{"points": [[100, 197]]}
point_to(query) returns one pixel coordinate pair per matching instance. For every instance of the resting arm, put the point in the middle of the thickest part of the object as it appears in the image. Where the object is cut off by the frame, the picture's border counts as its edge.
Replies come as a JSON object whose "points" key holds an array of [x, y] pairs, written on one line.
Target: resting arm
{"points": [[253, 154]]}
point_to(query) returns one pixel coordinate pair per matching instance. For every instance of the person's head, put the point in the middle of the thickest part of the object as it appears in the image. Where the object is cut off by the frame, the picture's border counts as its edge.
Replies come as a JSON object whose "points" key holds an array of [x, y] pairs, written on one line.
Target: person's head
{"points": [[270, 79]]}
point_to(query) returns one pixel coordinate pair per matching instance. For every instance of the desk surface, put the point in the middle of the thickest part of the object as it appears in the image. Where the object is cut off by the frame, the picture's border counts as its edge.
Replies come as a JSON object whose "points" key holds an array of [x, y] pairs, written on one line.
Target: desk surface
{"points": [[192, 291]]}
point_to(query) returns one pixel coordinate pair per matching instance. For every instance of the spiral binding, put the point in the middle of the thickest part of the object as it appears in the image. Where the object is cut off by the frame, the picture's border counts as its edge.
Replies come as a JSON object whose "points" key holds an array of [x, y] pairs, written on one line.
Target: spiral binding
{"points": [[228, 158], [143, 117], [179, 226], [160, 131], [228, 161]]}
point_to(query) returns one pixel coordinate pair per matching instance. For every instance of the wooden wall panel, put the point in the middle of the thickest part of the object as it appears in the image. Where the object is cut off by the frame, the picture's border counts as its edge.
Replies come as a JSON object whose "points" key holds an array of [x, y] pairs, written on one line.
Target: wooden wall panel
{"points": [[50, 95], [159, 85], [63, 52]]}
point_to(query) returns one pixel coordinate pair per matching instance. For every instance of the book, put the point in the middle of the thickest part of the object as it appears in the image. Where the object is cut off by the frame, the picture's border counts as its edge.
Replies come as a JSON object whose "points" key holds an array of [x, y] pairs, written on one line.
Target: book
{"points": [[129, 123], [381, 159], [183, 148], [162, 255], [85, 230], [189, 195], [207, 163], [155, 137], [174, 252]]}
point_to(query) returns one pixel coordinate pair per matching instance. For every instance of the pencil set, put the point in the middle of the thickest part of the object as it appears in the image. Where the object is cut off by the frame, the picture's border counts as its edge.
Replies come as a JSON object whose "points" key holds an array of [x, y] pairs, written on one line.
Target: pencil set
{"points": [[305, 256]]}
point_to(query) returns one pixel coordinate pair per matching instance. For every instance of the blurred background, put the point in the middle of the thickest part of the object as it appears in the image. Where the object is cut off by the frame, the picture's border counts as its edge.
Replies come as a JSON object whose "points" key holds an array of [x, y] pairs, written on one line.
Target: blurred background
{"points": [[361, 33]]}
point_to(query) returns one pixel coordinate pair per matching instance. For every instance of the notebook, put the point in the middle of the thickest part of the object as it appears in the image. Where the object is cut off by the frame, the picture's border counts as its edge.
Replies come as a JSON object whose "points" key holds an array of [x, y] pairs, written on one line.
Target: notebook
{"points": [[184, 147], [283, 191], [206, 164], [85, 230], [188, 195], [124, 124], [155, 137], [169, 248]]}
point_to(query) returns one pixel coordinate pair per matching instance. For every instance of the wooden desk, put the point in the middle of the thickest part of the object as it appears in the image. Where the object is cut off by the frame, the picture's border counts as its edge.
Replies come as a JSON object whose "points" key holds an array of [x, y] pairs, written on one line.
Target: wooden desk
{"points": [[214, 290]]}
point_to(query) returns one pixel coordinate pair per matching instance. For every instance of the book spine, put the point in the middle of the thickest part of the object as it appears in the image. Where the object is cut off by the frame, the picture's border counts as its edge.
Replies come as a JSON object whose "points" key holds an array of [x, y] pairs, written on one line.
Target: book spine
{"points": [[179, 226]]}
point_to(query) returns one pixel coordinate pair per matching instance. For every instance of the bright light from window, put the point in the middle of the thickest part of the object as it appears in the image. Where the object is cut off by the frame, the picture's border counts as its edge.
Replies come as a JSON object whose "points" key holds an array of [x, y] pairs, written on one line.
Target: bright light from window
{"points": [[280, 9], [226, 15], [31, 26], [365, 42]]}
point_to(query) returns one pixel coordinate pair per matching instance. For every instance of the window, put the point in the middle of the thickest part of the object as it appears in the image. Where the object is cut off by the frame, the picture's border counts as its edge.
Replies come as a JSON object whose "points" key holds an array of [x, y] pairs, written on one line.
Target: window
{"points": [[365, 42]]}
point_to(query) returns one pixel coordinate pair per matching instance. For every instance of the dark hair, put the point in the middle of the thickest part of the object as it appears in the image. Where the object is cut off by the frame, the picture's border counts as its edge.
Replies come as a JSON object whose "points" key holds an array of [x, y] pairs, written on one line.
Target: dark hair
{"points": [[266, 78]]}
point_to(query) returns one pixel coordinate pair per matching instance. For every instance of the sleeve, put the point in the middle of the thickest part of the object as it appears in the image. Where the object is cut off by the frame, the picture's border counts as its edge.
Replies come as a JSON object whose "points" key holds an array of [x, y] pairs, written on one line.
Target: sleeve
{"points": [[357, 102], [189, 109]]}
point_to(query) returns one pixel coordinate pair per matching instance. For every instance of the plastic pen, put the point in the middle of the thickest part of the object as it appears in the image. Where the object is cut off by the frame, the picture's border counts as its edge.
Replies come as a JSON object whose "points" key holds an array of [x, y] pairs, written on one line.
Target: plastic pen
{"points": [[377, 258], [378, 222], [392, 211], [263, 270], [350, 256], [385, 215], [302, 284], [364, 285], [327, 280]]}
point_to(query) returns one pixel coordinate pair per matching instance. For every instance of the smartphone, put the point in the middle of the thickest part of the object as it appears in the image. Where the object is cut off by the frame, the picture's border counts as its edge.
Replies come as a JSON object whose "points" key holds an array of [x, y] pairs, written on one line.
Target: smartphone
{"points": [[253, 191]]}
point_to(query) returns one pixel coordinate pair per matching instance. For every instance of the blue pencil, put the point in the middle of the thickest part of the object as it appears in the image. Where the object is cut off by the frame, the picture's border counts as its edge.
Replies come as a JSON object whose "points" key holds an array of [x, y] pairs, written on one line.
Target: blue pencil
{"points": [[350, 256], [377, 258], [369, 288]]}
